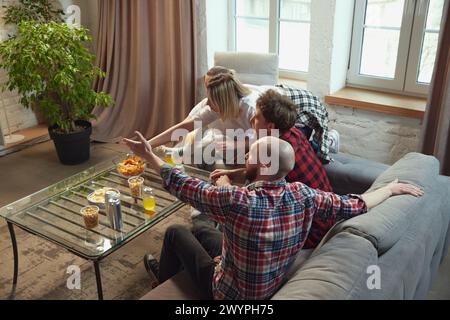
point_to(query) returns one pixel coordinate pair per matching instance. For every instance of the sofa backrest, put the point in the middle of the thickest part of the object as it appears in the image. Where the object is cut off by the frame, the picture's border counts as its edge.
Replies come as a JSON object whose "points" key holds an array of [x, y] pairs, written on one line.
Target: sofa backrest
{"points": [[386, 223], [251, 68], [349, 174]]}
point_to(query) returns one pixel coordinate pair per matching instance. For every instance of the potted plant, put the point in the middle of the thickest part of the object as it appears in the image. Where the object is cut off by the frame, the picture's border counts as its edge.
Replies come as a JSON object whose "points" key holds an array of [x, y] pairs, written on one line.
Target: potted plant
{"points": [[52, 70]]}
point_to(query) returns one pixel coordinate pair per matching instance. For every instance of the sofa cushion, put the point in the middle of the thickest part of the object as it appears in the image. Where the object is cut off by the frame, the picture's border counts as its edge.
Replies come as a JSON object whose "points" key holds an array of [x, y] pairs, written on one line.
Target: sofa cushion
{"points": [[332, 271], [301, 258], [350, 174], [251, 68], [385, 224]]}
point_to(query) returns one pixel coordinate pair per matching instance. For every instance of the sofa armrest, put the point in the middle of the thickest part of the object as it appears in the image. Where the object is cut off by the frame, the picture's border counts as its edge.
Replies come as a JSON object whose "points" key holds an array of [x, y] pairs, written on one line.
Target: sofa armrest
{"points": [[350, 174]]}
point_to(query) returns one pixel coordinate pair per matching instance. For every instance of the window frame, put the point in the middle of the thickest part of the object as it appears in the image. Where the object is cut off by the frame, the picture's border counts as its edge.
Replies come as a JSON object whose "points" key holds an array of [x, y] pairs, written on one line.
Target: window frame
{"points": [[354, 77], [274, 34], [415, 53], [412, 35]]}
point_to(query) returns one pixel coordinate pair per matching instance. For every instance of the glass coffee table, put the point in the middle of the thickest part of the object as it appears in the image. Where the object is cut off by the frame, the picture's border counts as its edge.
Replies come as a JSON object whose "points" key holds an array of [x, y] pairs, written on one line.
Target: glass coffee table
{"points": [[54, 214]]}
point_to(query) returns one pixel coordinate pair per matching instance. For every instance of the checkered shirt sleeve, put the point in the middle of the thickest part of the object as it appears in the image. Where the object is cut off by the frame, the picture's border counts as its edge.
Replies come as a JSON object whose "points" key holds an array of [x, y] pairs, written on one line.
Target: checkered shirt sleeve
{"points": [[203, 196], [313, 114]]}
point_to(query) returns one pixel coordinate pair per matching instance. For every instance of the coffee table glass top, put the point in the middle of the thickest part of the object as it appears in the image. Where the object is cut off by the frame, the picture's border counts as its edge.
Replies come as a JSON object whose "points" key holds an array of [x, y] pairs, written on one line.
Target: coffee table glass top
{"points": [[54, 212]]}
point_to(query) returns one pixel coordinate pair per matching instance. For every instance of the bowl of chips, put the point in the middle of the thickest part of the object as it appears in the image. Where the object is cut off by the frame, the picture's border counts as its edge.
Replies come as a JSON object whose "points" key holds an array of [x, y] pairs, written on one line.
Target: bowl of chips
{"points": [[131, 166]]}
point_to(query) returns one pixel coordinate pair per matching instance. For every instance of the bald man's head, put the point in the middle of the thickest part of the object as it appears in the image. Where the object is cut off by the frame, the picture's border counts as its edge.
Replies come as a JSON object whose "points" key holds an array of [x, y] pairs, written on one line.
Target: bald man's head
{"points": [[270, 157]]}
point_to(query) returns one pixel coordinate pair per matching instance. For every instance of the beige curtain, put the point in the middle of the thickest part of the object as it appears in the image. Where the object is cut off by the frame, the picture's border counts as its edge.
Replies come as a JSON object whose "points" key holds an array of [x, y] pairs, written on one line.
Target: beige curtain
{"points": [[436, 133], [148, 50]]}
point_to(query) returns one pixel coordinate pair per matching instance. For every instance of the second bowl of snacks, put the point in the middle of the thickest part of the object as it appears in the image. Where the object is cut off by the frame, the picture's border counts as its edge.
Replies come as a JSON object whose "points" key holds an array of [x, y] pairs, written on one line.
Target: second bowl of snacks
{"points": [[132, 166], [98, 196]]}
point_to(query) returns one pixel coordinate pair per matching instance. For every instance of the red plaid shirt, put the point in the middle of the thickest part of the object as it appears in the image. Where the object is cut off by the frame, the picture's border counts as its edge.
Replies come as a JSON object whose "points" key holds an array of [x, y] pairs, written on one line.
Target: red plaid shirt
{"points": [[265, 225], [309, 170]]}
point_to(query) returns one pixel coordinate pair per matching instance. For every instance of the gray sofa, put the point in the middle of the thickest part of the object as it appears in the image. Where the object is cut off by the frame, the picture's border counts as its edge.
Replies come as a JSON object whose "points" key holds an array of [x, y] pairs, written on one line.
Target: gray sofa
{"points": [[392, 252]]}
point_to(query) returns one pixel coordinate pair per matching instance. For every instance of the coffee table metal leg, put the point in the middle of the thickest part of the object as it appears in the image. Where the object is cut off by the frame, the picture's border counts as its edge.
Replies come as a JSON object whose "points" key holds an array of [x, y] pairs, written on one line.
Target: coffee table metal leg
{"points": [[99, 280], [16, 256]]}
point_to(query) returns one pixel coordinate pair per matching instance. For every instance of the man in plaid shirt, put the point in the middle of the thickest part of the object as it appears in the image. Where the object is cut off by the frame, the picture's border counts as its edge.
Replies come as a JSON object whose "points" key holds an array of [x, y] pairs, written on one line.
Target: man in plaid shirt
{"points": [[275, 111], [265, 224]]}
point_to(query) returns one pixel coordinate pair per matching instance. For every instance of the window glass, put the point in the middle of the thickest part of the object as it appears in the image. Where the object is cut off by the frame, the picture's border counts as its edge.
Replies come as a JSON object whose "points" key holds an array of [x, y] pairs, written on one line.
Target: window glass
{"points": [[252, 35]]}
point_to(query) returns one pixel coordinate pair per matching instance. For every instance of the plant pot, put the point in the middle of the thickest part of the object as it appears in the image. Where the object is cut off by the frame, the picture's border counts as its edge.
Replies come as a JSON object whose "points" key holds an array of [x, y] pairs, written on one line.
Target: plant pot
{"points": [[72, 148]]}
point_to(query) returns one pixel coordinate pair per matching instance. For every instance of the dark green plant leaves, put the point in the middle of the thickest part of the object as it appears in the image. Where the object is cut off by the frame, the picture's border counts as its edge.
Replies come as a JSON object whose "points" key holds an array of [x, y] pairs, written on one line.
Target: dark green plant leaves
{"points": [[52, 69], [32, 10]]}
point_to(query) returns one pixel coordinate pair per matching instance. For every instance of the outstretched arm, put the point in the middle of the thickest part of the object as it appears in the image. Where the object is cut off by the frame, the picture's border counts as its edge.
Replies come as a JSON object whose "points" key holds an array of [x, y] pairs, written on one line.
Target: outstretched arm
{"points": [[166, 136], [374, 198], [144, 149], [201, 195], [329, 204]]}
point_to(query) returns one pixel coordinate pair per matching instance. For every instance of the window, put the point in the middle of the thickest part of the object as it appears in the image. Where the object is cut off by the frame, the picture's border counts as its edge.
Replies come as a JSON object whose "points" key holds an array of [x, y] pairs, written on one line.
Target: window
{"points": [[278, 26], [394, 44]]}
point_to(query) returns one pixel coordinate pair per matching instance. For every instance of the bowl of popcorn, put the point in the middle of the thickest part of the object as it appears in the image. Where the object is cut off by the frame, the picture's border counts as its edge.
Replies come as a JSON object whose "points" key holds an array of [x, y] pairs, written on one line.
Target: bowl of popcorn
{"points": [[97, 198], [90, 216]]}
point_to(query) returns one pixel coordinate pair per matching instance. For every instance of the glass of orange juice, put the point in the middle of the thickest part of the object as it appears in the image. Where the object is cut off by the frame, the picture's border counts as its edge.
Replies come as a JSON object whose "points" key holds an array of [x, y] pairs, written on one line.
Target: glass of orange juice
{"points": [[149, 201]]}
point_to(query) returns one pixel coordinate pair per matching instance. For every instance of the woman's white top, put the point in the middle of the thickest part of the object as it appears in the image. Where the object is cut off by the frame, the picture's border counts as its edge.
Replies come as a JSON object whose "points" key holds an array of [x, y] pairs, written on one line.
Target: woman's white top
{"points": [[202, 112]]}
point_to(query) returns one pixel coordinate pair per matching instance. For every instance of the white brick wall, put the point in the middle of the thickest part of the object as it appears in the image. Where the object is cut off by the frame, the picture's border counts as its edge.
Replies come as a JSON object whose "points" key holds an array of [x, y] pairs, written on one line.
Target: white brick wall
{"points": [[376, 136], [19, 117]]}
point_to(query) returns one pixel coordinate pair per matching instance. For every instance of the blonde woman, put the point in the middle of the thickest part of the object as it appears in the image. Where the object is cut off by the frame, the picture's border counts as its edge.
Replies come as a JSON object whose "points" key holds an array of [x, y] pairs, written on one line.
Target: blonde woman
{"points": [[229, 105]]}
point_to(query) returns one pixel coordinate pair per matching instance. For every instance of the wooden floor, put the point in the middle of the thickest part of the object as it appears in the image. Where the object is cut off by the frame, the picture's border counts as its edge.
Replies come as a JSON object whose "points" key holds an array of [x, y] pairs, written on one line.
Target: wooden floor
{"points": [[42, 265]]}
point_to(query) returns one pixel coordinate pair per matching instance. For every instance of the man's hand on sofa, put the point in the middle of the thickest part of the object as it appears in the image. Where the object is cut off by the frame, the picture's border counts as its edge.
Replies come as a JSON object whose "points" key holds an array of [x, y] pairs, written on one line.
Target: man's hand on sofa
{"points": [[374, 198], [397, 189]]}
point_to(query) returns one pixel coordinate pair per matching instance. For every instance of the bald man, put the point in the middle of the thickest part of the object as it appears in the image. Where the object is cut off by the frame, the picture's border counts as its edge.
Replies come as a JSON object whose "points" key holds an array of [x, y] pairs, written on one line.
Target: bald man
{"points": [[265, 224]]}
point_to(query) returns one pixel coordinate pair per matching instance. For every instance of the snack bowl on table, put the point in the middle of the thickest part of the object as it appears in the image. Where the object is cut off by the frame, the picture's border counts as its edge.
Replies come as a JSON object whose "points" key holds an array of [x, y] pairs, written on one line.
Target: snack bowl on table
{"points": [[97, 198], [131, 166]]}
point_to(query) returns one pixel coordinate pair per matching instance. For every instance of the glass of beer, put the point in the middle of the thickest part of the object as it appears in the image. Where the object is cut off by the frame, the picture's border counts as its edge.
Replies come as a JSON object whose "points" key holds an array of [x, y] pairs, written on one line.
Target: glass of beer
{"points": [[149, 202]]}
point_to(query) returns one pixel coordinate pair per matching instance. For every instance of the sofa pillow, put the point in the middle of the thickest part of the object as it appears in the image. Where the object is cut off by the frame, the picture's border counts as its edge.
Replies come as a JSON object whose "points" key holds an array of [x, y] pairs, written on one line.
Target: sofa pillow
{"points": [[385, 224], [349, 174], [335, 271], [251, 68]]}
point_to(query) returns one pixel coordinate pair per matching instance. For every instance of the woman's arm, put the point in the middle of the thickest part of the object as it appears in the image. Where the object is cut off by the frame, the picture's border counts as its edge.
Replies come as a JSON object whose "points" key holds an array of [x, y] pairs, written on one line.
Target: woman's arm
{"points": [[203, 196], [166, 136]]}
